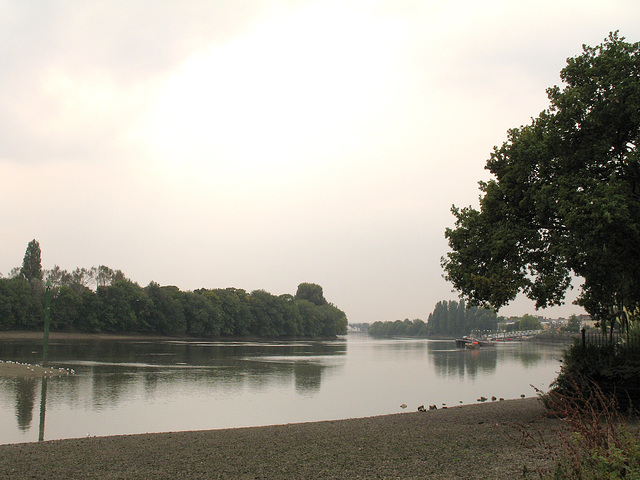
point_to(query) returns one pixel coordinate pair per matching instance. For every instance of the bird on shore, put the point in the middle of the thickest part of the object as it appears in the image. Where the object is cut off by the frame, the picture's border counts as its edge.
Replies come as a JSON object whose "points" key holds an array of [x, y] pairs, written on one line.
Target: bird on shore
{"points": [[421, 408], [404, 405]]}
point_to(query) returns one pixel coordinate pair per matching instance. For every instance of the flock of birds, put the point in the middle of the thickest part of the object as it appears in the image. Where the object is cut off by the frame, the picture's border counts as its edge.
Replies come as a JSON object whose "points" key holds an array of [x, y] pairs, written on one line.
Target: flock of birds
{"points": [[47, 370], [422, 408]]}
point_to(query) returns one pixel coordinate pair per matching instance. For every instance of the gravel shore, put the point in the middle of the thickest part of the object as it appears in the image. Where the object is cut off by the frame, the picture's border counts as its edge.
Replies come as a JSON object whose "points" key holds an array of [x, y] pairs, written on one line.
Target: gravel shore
{"points": [[479, 441]]}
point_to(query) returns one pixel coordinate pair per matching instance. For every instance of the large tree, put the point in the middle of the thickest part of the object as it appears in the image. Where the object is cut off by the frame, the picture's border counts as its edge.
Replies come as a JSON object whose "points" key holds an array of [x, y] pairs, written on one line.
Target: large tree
{"points": [[31, 264], [311, 292], [564, 199]]}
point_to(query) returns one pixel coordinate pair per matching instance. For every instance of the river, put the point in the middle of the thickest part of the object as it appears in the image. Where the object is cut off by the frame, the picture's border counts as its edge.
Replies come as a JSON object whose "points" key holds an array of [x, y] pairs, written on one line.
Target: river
{"points": [[132, 386]]}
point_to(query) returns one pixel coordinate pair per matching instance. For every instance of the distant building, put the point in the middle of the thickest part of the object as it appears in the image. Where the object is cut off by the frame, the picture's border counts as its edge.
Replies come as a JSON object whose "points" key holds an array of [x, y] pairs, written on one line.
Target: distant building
{"points": [[586, 320], [357, 327]]}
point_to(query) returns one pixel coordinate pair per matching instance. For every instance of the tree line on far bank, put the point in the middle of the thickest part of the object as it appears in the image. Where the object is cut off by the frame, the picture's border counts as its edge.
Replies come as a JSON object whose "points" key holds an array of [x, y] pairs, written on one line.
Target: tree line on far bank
{"points": [[448, 318], [456, 319], [119, 305]]}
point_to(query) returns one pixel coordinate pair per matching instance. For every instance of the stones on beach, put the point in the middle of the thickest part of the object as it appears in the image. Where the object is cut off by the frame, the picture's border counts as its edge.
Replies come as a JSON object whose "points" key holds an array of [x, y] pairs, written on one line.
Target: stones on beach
{"points": [[443, 406]]}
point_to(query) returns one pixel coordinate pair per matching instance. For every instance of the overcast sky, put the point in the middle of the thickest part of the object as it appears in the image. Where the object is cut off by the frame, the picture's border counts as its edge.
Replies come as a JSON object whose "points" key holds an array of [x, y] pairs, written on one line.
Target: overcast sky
{"points": [[261, 144]]}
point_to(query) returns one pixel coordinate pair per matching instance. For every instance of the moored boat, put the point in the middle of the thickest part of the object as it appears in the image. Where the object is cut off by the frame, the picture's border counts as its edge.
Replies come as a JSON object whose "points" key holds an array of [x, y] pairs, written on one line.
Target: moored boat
{"points": [[473, 342]]}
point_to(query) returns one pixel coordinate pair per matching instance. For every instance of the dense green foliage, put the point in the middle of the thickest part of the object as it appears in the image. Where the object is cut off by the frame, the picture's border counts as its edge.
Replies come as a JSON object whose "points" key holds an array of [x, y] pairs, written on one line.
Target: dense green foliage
{"points": [[399, 328], [31, 269], [312, 293], [19, 307], [615, 369], [31, 264], [526, 322], [118, 305], [456, 318], [448, 318], [565, 197]]}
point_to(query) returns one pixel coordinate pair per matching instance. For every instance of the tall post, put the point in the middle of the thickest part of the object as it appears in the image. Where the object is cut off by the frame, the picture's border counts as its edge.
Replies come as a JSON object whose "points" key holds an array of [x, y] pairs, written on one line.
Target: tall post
{"points": [[47, 322]]}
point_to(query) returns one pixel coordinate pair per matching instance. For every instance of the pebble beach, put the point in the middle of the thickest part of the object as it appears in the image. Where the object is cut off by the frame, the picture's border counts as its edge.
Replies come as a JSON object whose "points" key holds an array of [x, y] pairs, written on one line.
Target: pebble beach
{"points": [[483, 441]]}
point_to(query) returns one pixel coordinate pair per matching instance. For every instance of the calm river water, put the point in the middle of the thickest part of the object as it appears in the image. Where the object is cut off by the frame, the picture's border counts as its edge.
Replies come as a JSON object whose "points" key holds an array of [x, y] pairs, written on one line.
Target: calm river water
{"points": [[124, 387]]}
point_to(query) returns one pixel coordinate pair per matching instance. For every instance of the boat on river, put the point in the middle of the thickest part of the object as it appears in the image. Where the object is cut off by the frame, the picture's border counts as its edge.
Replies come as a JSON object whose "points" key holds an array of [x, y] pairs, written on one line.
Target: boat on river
{"points": [[472, 343]]}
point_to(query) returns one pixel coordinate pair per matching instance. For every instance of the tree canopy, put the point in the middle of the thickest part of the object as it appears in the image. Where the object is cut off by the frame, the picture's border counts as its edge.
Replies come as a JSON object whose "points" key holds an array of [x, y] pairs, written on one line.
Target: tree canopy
{"points": [[564, 199], [100, 299], [448, 318], [456, 318], [311, 292], [399, 328], [124, 306]]}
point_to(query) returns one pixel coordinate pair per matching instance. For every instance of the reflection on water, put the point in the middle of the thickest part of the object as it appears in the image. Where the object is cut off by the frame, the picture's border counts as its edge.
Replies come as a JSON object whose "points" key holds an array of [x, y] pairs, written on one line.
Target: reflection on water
{"points": [[450, 361], [135, 387], [43, 407], [307, 377], [110, 370], [25, 394]]}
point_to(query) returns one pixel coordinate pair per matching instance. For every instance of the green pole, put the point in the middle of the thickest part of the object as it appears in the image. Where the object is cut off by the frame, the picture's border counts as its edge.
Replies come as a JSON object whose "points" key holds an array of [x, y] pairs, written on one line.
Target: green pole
{"points": [[47, 321]]}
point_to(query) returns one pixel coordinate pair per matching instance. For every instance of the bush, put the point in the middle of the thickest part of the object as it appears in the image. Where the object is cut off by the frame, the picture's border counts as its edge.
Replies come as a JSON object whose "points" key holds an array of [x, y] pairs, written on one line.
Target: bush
{"points": [[594, 393], [613, 368]]}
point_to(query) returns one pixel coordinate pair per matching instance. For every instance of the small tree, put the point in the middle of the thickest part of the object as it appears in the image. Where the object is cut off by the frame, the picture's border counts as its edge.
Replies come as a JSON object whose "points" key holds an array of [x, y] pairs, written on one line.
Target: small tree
{"points": [[573, 325], [529, 322]]}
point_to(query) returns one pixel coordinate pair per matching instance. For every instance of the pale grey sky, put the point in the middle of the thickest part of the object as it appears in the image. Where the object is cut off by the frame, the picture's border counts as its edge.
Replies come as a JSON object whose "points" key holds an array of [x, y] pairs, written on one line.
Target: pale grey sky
{"points": [[261, 144]]}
